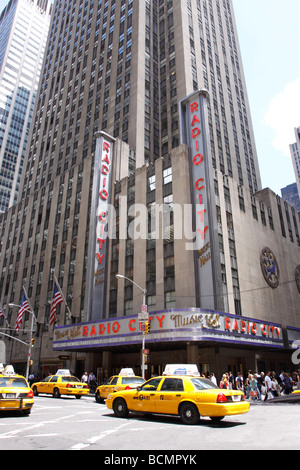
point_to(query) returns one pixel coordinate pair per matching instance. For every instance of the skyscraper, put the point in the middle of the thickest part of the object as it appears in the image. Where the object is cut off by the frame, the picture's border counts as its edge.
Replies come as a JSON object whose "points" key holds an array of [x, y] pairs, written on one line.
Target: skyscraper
{"points": [[23, 30], [127, 69], [122, 67], [295, 154]]}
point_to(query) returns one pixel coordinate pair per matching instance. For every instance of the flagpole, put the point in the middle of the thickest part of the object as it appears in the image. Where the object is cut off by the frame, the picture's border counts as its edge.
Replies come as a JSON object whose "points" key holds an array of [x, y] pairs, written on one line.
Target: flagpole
{"points": [[61, 293], [31, 335], [31, 309]]}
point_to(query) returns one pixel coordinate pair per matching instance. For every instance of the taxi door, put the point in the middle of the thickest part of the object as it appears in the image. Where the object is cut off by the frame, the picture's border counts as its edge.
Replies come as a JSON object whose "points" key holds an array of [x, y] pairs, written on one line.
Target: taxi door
{"points": [[109, 387], [52, 383], [43, 386], [143, 400], [169, 395]]}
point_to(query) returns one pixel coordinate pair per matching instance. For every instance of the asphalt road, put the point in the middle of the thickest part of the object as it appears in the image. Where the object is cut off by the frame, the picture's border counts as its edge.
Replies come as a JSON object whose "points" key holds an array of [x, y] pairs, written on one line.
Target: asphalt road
{"points": [[70, 424]]}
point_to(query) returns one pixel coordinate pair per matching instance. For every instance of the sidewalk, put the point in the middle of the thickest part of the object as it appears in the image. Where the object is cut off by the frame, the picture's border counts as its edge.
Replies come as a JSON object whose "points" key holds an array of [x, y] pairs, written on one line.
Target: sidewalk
{"points": [[292, 398]]}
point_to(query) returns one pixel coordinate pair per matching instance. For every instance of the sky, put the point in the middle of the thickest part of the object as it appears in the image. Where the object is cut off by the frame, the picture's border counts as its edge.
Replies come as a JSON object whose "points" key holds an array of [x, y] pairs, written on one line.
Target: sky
{"points": [[269, 33]]}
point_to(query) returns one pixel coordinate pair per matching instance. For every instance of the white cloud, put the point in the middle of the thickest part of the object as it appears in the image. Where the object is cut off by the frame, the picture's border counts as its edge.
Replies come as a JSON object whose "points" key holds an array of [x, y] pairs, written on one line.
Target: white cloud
{"points": [[283, 116]]}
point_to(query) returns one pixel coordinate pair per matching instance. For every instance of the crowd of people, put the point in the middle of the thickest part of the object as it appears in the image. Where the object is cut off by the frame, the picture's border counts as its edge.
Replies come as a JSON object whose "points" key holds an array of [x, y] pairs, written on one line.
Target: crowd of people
{"points": [[260, 386]]}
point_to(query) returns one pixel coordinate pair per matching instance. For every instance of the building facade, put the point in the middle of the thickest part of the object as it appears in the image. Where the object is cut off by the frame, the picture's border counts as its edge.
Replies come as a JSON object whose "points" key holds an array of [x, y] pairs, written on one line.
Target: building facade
{"points": [[24, 29], [133, 70]]}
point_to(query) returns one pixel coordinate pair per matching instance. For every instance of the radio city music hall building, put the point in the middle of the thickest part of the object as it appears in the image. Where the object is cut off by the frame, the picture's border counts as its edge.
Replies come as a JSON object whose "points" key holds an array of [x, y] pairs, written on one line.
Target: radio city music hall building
{"points": [[167, 194]]}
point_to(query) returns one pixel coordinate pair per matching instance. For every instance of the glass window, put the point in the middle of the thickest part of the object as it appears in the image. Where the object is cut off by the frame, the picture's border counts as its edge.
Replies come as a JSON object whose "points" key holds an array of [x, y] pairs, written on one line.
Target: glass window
{"points": [[167, 174], [172, 384], [132, 380], [152, 384], [203, 384]]}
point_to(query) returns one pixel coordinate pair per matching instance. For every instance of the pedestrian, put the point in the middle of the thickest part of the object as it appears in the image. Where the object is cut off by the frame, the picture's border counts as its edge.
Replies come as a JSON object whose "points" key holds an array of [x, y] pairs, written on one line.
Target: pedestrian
{"points": [[239, 382], [298, 380], [223, 382], [92, 382], [231, 381], [275, 387], [213, 378], [85, 378], [286, 384], [268, 382], [254, 390], [248, 386]]}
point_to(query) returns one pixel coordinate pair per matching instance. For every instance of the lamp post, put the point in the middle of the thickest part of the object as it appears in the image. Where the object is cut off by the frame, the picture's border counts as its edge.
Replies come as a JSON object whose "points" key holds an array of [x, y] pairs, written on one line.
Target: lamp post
{"points": [[30, 344], [120, 276]]}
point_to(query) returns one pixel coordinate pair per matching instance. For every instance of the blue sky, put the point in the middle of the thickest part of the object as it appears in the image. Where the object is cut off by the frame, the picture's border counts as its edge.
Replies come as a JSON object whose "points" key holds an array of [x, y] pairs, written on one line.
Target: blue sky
{"points": [[269, 36]]}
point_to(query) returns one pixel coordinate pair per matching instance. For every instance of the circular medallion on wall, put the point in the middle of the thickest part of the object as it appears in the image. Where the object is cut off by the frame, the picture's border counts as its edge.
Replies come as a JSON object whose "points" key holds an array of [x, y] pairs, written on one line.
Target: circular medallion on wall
{"points": [[297, 277], [269, 267]]}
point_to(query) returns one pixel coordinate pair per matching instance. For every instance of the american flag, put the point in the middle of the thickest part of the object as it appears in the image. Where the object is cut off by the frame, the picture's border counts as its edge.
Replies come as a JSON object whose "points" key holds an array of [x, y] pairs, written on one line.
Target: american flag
{"points": [[1, 312], [24, 307], [57, 299]]}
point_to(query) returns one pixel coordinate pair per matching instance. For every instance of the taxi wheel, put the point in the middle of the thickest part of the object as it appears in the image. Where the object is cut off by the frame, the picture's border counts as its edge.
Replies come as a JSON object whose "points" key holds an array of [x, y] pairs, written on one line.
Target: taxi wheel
{"points": [[98, 397], [56, 393], [189, 413], [120, 408]]}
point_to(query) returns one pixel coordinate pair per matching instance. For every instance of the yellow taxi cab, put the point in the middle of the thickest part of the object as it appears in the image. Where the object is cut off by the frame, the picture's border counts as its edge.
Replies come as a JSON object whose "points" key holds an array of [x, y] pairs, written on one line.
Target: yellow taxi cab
{"points": [[126, 380], [15, 393], [179, 391], [62, 383]]}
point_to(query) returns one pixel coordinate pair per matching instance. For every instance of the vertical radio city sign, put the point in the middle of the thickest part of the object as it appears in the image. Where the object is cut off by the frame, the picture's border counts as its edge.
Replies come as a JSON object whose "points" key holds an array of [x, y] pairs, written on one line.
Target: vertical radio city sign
{"points": [[99, 227], [195, 134]]}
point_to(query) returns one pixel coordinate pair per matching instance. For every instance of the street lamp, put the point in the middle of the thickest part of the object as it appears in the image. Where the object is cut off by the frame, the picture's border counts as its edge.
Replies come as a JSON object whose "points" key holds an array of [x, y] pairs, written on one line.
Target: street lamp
{"points": [[30, 344], [120, 276]]}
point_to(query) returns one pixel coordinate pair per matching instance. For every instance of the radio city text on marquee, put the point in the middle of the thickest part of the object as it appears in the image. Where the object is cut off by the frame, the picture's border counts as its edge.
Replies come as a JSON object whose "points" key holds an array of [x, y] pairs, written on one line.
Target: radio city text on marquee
{"points": [[161, 321]]}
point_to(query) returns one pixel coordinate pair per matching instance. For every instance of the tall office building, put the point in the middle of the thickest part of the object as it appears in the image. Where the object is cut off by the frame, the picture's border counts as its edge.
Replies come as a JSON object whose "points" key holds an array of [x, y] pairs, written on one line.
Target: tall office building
{"points": [[24, 28], [122, 67], [290, 193], [295, 154], [132, 70]]}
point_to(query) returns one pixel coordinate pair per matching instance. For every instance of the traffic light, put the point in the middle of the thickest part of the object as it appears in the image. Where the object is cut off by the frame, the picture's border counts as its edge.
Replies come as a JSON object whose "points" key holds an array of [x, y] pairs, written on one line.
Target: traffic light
{"points": [[147, 327], [32, 342]]}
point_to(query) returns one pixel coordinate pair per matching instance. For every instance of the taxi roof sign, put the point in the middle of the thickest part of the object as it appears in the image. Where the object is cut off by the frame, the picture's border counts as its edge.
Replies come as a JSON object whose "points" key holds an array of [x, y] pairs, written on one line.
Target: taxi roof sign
{"points": [[63, 372], [127, 372], [181, 369], [9, 370]]}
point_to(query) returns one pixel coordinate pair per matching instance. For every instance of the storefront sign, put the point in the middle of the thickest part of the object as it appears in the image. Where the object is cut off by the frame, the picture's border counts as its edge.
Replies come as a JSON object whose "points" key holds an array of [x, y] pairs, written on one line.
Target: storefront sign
{"points": [[175, 325], [99, 227]]}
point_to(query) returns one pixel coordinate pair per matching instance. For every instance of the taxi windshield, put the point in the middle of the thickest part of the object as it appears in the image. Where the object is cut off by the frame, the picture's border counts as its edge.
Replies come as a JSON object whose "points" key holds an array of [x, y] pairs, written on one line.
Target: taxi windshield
{"points": [[203, 384], [13, 382], [69, 378]]}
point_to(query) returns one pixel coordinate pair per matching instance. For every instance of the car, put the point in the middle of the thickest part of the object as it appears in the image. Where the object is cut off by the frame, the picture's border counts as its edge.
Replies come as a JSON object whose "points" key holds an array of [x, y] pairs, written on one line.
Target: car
{"points": [[126, 380], [62, 383], [15, 392], [187, 396]]}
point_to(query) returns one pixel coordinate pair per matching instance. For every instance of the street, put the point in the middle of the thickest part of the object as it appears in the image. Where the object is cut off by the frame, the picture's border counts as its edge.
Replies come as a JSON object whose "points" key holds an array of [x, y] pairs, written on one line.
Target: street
{"points": [[70, 424]]}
